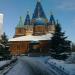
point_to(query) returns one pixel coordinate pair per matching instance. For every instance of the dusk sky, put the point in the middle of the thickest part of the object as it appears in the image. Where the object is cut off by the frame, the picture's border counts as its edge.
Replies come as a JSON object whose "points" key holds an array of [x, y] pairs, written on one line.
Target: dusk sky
{"points": [[63, 10]]}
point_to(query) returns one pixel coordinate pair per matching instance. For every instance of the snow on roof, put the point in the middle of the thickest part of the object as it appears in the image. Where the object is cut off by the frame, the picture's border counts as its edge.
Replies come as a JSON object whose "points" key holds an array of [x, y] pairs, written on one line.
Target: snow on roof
{"points": [[32, 38]]}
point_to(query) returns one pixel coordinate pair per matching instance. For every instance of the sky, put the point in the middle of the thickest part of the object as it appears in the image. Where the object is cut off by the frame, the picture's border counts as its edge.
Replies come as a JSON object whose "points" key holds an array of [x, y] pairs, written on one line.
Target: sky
{"points": [[63, 10]]}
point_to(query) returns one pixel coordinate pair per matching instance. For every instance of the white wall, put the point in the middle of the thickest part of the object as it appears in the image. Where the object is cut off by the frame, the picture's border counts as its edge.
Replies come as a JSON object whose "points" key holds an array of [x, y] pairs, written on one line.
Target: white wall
{"points": [[1, 24]]}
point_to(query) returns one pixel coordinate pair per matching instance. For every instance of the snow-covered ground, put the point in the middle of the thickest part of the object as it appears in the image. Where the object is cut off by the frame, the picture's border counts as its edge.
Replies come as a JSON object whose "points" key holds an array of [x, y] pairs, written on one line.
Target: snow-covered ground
{"points": [[35, 66], [62, 65], [4, 62], [71, 59], [30, 66]]}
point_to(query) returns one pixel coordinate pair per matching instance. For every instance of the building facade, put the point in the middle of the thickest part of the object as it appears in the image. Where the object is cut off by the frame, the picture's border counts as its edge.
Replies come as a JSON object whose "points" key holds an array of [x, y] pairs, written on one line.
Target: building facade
{"points": [[34, 34]]}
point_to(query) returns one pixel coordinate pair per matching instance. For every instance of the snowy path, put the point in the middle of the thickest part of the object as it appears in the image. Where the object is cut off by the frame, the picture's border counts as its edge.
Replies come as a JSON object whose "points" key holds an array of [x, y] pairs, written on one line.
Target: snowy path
{"points": [[34, 66], [30, 66]]}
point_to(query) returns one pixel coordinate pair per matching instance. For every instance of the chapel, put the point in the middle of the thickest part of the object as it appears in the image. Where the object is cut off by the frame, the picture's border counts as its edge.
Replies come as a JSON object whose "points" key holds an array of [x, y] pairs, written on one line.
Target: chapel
{"points": [[34, 34]]}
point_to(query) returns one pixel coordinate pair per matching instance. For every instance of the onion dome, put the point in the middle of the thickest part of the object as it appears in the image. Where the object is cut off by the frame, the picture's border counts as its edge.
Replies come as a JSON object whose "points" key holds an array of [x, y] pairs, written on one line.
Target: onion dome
{"points": [[39, 21]]}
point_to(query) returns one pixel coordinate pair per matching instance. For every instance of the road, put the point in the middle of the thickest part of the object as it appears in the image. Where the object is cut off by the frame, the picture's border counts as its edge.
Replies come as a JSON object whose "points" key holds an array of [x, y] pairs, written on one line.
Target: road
{"points": [[31, 66]]}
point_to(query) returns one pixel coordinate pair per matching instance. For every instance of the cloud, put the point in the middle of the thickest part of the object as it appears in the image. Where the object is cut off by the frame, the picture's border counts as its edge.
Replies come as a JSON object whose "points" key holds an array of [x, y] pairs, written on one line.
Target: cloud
{"points": [[67, 5]]}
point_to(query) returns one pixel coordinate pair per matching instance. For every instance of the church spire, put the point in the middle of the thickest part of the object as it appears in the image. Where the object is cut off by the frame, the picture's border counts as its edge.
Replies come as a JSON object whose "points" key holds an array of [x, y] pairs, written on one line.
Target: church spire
{"points": [[27, 20], [20, 24], [52, 20], [38, 12]]}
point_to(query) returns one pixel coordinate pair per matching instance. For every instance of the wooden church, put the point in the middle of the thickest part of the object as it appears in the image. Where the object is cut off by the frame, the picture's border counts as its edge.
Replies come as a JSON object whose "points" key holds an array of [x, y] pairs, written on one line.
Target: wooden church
{"points": [[34, 34]]}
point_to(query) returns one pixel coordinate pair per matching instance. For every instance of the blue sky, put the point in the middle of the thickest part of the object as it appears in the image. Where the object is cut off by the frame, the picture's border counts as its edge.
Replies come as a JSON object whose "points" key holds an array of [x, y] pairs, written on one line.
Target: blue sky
{"points": [[63, 10]]}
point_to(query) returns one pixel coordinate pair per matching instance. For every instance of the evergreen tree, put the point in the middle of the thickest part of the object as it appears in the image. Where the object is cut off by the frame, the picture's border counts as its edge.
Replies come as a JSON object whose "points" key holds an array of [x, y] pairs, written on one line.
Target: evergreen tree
{"points": [[73, 47], [4, 47], [4, 39], [59, 44]]}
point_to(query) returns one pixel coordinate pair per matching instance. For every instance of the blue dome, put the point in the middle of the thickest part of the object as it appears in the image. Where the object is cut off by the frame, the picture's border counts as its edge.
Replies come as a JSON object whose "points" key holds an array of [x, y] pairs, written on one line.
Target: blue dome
{"points": [[39, 21]]}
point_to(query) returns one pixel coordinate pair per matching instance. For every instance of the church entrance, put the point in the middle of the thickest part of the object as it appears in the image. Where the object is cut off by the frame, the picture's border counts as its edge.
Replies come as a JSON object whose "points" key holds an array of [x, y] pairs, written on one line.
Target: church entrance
{"points": [[34, 47]]}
